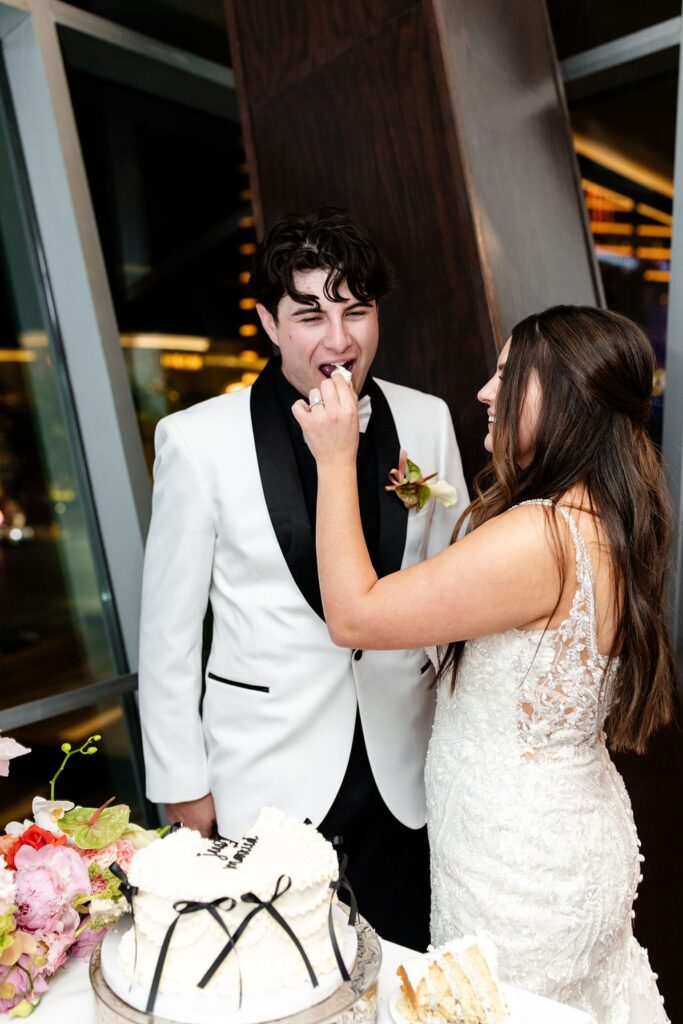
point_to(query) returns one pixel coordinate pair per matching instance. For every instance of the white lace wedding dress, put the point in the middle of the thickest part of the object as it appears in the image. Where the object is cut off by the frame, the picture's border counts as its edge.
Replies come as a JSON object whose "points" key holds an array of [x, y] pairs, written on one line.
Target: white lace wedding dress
{"points": [[532, 836]]}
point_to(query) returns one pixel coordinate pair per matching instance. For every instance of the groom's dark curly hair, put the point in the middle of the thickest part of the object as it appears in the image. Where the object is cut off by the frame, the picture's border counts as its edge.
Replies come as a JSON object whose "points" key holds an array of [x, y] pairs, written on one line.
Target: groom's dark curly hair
{"points": [[328, 239]]}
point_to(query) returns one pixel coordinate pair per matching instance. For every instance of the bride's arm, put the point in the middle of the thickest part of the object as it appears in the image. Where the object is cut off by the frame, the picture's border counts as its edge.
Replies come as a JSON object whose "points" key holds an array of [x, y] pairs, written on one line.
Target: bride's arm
{"points": [[502, 575]]}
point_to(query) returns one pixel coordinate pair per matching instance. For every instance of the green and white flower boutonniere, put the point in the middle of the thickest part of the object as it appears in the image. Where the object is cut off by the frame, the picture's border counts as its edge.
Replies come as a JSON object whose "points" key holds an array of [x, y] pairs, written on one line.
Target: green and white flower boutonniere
{"points": [[414, 489]]}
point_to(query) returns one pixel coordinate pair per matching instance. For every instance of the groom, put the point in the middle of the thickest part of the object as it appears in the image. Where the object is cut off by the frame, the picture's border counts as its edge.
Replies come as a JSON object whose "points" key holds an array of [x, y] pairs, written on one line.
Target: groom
{"points": [[283, 717]]}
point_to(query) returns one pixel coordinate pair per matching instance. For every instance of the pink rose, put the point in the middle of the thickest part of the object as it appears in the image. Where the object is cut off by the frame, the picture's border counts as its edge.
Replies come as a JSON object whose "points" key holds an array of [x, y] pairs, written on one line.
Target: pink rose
{"points": [[121, 851], [98, 884], [48, 881]]}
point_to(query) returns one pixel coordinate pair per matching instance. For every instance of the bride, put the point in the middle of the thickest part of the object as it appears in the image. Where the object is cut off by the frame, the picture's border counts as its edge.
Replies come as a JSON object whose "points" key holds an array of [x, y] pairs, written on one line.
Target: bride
{"points": [[551, 619]]}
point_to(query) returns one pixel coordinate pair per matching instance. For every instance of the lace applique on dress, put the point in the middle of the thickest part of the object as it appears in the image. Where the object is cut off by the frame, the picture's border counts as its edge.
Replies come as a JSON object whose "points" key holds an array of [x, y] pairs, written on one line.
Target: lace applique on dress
{"points": [[530, 825], [564, 696]]}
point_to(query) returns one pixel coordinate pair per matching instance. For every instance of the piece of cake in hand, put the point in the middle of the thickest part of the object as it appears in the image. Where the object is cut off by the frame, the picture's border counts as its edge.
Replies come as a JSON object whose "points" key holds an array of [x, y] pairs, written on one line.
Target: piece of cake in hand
{"points": [[454, 984], [341, 371]]}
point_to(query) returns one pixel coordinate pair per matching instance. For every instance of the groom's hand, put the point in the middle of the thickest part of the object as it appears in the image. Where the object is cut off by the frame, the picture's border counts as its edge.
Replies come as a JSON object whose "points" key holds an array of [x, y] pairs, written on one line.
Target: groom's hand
{"points": [[198, 814]]}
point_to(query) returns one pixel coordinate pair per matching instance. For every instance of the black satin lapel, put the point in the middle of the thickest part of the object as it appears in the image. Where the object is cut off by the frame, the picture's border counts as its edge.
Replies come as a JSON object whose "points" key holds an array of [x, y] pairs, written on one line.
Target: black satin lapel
{"points": [[393, 515], [282, 487]]}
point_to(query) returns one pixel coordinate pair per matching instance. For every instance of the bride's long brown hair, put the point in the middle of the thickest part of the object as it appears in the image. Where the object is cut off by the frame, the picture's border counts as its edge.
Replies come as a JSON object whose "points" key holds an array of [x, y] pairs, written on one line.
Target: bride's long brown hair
{"points": [[595, 369]]}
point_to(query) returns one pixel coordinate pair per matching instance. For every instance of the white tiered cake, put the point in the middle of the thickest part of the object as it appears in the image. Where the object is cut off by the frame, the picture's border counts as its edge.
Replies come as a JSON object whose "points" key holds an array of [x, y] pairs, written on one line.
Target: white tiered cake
{"points": [[269, 892]]}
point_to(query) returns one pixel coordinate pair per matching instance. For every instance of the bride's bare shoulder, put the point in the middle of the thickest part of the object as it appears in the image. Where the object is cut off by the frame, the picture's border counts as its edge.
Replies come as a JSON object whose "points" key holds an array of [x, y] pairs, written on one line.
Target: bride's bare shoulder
{"points": [[516, 544], [529, 535], [527, 521]]}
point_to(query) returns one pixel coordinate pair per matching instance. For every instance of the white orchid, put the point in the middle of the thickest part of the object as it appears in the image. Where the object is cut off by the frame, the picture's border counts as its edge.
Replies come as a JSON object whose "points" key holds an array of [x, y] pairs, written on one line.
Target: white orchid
{"points": [[9, 748], [46, 813], [15, 828]]}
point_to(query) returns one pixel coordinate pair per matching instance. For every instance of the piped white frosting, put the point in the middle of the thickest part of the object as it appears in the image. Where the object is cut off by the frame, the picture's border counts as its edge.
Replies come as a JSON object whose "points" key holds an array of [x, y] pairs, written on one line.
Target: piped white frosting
{"points": [[186, 867]]}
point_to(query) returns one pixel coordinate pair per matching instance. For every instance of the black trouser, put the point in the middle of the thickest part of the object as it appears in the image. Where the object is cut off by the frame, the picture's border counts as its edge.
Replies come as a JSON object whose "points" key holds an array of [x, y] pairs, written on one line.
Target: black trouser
{"points": [[388, 862]]}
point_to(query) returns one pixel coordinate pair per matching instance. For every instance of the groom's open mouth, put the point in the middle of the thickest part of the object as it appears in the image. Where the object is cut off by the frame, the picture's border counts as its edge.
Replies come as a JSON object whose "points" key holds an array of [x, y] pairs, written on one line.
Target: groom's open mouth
{"points": [[327, 369]]}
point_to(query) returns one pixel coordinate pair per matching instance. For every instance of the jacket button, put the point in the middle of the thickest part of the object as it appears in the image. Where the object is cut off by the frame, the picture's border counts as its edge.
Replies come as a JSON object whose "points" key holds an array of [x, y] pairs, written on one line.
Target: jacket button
{"points": [[357, 655]]}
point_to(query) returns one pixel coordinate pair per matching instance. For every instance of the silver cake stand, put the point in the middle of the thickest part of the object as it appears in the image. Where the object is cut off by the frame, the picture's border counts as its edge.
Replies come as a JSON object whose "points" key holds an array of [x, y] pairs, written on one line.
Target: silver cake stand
{"points": [[354, 1002]]}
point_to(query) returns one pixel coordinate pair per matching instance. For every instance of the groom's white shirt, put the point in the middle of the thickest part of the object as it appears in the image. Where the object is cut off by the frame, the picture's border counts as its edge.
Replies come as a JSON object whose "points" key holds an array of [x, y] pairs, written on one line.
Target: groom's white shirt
{"points": [[277, 719]]}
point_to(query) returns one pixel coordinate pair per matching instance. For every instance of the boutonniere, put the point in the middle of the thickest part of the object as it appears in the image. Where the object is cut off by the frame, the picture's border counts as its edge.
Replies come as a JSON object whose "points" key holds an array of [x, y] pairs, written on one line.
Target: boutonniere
{"points": [[414, 489]]}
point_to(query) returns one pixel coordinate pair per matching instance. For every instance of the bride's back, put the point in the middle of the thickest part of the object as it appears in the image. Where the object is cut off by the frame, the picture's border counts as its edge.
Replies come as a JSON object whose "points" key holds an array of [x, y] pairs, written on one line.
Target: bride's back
{"points": [[600, 558], [568, 413]]}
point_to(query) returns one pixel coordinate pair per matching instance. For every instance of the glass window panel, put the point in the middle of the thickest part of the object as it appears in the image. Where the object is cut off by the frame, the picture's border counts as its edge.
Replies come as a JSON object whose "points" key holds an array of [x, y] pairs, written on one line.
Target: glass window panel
{"points": [[171, 194], [54, 632], [582, 24], [624, 134], [87, 780], [194, 25]]}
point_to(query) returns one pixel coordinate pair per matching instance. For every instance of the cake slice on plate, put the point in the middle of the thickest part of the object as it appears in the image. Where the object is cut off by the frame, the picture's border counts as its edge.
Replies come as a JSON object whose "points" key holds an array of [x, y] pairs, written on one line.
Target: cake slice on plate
{"points": [[454, 984]]}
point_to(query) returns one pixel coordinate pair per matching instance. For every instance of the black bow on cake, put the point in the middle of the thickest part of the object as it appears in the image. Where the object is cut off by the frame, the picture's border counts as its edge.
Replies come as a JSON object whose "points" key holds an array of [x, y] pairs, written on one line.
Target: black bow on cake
{"points": [[181, 908], [282, 885], [227, 903], [341, 884]]}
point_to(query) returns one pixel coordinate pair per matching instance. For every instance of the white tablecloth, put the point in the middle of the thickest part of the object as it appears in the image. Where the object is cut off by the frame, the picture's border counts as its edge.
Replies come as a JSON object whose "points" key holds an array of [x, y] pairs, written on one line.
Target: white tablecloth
{"points": [[70, 997]]}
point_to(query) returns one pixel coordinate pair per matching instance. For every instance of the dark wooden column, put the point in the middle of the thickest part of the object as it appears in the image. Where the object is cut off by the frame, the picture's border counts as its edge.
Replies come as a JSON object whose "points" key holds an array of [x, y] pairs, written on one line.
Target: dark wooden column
{"points": [[441, 126]]}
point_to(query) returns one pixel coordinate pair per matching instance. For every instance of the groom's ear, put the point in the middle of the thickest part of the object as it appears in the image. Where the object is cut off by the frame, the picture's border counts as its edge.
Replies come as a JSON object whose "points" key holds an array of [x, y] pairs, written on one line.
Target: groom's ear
{"points": [[268, 323]]}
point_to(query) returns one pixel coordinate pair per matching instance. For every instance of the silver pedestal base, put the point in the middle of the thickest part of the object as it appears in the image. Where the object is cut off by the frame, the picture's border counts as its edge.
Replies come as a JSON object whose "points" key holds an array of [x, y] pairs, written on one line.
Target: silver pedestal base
{"points": [[354, 1002]]}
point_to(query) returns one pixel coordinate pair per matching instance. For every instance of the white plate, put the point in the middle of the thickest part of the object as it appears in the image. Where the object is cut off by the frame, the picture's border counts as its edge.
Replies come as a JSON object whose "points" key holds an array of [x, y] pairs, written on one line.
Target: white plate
{"points": [[523, 1008], [204, 1007]]}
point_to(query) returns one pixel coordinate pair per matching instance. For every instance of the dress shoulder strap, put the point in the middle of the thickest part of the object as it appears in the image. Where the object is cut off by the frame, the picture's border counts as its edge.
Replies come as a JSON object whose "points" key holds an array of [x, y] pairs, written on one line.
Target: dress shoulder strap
{"points": [[584, 598]]}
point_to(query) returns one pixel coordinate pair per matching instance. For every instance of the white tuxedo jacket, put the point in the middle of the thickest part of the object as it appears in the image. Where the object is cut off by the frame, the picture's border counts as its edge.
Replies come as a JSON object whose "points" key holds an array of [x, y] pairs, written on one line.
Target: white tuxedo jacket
{"points": [[273, 720]]}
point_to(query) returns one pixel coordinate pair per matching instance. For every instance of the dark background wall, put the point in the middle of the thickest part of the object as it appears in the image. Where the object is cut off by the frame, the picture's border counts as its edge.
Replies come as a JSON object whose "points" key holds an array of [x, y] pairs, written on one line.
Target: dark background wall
{"points": [[344, 104], [389, 108], [522, 177]]}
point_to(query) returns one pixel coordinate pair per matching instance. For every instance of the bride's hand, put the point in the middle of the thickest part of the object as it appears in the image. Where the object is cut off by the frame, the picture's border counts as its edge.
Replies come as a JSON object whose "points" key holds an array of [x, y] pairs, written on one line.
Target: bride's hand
{"points": [[330, 421]]}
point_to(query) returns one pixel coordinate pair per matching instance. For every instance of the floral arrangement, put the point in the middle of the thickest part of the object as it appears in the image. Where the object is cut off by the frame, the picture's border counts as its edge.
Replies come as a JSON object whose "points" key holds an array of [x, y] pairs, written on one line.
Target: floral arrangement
{"points": [[414, 489], [57, 892]]}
